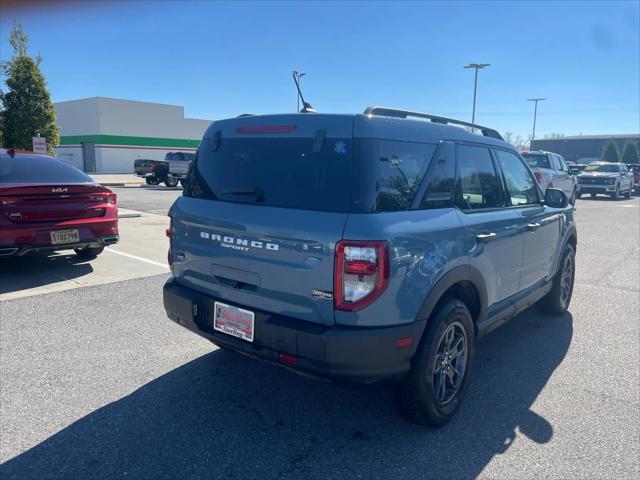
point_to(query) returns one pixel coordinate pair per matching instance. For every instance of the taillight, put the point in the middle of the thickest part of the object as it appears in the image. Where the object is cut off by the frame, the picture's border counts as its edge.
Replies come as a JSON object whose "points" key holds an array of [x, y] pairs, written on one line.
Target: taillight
{"points": [[104, 197], [361, 273], [8, 200], [168, 232], [538, 176]]}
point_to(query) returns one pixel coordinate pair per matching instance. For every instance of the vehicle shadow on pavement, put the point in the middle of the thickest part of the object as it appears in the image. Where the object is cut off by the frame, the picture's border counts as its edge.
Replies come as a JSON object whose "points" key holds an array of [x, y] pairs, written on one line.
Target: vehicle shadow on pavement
{"points": [[37, 270], [226, 416]]}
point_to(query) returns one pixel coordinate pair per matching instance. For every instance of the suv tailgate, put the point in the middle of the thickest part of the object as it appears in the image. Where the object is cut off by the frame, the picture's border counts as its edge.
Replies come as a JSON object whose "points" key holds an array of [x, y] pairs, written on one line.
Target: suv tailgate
{"points": [[268, 258]]}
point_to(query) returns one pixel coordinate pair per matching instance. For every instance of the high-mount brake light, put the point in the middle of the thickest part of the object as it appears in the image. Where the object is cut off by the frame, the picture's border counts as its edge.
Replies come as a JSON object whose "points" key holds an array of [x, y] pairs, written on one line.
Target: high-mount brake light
{"points": [[361, 273], [266, 129]]}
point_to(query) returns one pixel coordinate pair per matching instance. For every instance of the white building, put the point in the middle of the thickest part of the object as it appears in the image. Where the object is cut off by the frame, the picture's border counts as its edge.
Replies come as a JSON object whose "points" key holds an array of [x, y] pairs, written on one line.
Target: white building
{"points": [[106, 135]]}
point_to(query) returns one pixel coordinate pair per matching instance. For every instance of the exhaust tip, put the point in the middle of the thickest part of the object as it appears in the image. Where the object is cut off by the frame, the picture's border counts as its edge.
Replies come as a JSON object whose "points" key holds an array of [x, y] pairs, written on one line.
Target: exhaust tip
{"points": [[110, 240]]}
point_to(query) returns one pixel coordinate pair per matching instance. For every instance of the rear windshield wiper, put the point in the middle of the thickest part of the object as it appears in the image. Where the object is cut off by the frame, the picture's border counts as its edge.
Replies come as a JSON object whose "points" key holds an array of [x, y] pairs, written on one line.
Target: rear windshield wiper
{"points": [[255, 192]]}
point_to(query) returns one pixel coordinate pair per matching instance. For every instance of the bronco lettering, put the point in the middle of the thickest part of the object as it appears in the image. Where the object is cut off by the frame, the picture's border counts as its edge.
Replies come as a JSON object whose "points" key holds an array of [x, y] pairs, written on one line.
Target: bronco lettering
{"points": [[239, 243]]}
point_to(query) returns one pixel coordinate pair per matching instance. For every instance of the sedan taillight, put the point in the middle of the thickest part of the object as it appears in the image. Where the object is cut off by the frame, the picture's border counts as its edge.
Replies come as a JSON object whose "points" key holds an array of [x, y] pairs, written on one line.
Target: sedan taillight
{"points": [[361, 273]]}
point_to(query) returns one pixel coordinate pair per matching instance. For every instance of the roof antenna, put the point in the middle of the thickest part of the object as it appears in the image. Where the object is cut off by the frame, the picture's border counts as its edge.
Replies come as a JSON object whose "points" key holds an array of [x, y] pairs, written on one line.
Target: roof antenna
{"points": [[306, 108]]}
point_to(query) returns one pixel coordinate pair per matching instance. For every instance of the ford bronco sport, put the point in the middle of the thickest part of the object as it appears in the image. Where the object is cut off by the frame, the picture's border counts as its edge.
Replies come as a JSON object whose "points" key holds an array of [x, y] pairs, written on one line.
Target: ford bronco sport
{"points": [[365, 247]]}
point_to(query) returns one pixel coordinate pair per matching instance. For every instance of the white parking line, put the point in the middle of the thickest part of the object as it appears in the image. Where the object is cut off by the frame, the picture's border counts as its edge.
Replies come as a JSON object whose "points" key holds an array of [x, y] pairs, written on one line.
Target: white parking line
{"points": [[163, 265]]}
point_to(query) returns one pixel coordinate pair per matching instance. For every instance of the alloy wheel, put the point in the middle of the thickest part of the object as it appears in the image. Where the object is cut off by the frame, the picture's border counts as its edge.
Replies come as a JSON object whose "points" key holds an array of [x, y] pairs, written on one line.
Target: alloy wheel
{"points": [[566, 281], [450, 363]]}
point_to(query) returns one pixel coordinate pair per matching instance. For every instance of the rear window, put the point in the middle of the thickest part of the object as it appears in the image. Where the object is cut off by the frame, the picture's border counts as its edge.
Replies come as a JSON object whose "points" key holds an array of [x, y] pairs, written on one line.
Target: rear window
{"points": [[178, 156], [38, 169], [278, 172], [540, 160]]}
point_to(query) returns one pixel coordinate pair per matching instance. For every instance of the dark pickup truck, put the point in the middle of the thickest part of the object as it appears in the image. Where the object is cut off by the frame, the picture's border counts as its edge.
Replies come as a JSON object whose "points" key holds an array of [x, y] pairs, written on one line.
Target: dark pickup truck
{"points": [[170, 171]]}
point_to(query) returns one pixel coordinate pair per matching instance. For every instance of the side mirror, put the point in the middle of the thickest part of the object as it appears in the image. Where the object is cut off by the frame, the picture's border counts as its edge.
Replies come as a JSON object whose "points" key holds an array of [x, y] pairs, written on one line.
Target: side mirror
{"points": [[555, 198]]}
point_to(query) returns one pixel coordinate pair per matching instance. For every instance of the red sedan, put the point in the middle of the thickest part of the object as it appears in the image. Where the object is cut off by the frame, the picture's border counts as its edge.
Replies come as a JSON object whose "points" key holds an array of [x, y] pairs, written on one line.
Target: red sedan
{"points": [[47, 204]]}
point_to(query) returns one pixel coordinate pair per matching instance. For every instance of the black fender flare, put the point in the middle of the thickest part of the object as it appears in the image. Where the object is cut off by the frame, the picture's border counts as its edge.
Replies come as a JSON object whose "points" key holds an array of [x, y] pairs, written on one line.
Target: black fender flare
{"points": [[455, 275]]}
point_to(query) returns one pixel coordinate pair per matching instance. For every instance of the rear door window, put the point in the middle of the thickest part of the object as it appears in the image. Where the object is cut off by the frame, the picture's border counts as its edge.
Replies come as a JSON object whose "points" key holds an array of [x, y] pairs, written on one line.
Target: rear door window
{"points": [[479, 185], [38, 169], [272, 171]]}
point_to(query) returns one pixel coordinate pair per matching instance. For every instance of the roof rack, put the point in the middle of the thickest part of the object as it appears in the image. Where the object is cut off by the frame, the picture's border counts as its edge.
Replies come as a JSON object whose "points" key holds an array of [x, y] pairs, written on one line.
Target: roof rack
{"points": [[395, 112]]}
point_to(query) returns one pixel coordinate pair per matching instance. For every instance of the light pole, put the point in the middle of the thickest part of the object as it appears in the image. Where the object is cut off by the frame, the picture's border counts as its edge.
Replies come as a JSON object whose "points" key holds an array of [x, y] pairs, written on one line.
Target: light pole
{"points": [[298, 76], [476, 67], [535, 115]]}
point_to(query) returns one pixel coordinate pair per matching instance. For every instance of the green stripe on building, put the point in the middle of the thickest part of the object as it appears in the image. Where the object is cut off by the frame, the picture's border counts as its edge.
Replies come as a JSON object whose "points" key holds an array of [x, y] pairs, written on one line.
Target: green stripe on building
{"points": [[132, 141]]}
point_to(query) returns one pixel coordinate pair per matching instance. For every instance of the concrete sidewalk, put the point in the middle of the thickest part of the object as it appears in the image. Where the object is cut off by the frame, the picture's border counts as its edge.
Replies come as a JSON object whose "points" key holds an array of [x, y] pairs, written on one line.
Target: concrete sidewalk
{"points": [[117, 179]]}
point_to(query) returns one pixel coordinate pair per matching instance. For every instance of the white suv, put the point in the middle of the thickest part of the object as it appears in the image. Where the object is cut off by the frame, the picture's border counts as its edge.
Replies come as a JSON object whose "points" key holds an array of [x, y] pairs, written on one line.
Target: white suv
{"points": [[551, 171]]}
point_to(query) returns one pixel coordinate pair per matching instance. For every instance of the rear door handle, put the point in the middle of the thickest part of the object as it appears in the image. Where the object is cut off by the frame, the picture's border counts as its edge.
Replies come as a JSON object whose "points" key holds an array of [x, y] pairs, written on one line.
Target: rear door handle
{"points": [[533, 226], [485, 237]]}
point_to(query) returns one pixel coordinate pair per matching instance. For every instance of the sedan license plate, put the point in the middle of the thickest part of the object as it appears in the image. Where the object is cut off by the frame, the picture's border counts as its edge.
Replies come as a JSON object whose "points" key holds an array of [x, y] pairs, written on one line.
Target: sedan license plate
{"points": [[233, 321], [59, 237]]}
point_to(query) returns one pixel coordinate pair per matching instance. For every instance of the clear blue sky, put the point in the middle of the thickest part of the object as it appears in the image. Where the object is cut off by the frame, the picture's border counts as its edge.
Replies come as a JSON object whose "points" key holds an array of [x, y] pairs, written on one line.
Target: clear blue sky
{"points": [[223, 59]]}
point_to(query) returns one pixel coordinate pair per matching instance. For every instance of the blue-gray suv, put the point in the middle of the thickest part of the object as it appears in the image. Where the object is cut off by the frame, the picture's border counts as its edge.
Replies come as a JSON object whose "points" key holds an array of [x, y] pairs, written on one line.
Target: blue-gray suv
{"points": [[365, 247]]}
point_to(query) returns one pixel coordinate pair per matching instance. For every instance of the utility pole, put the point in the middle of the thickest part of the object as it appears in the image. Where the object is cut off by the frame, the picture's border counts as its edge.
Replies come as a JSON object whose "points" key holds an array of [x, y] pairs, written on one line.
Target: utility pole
{"points": [[476, 67], [298, 75], [535, 115]]}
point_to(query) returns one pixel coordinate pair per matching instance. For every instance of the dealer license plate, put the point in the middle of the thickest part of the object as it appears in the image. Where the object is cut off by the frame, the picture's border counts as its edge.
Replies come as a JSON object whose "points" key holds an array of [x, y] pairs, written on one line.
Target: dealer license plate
{"points": [[233, 321], [64, 236]]}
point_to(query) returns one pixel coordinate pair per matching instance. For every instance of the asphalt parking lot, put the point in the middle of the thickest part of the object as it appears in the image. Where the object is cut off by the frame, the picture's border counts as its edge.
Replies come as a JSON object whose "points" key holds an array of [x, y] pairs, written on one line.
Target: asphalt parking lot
{"points": [[96, 382]]}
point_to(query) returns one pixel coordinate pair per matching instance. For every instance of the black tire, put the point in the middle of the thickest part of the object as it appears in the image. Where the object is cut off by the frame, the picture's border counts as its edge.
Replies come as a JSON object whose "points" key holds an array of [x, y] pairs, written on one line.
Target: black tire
{"points": [[594, 195], [616, 194], [630, 192], [88, 252], [557, 301], [170, 181], [416, 393], [152, 180], [578, 195]]}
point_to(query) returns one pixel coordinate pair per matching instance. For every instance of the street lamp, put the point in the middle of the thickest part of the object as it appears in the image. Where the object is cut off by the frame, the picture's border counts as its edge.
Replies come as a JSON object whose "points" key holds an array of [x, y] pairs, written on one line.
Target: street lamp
{"points": [[298, 75], [535, 115], [476, 67]]}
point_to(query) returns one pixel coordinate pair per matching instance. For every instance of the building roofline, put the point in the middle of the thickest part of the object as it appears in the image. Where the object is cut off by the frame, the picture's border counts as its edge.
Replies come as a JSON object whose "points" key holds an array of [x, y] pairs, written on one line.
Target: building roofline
{"points": [[590, 137]]}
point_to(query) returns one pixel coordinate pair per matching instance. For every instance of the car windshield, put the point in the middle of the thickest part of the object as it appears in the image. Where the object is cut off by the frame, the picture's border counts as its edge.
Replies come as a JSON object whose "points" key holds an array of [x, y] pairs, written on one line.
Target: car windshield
{"points": [[599, 167], [35, 169], [539, 160]]}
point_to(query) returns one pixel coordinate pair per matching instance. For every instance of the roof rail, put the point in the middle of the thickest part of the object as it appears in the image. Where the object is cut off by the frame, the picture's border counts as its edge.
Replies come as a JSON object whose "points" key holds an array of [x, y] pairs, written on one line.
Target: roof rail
{"points": [[394, 112]]}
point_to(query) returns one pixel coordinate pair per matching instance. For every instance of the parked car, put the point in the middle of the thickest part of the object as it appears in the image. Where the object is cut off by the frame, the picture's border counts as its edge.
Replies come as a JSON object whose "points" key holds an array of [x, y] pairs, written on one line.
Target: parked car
{"points": [[179, 165], [613, 179], [364, 247], [635, 170], [551, 171], [47, 204], [170, 171], [153, 171]]}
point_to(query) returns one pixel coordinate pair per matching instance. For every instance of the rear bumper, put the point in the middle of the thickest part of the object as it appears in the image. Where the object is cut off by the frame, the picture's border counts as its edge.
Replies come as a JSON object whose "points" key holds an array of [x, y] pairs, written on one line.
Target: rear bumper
{"points": [[17, 250], [355, 354]]}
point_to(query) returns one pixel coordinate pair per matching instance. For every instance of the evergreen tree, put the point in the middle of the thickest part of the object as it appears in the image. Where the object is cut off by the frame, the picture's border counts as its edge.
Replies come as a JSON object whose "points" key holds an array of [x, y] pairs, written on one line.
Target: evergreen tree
{"points": [[630, 153], [610, 153], [26, 107]]}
